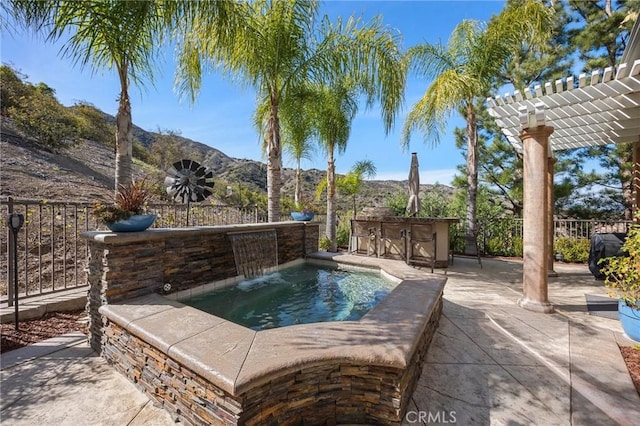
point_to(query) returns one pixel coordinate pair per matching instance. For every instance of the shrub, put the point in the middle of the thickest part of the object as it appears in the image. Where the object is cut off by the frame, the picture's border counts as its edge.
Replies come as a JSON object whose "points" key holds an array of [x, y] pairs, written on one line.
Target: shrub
{"points": [[573, 250], [622, 274], [130, 200], [324, 242], [41, 117], [343, 233]]}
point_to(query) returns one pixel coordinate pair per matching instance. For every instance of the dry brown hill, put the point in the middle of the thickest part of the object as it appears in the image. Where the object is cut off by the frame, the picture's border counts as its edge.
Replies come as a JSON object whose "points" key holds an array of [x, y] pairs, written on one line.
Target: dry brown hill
{"points": [[86, 171]]}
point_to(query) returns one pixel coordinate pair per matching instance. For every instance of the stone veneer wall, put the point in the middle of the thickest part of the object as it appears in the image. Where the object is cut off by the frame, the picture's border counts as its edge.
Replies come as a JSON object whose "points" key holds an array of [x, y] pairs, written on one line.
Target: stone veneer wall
{"points": [[331, 393], [127, 265]]}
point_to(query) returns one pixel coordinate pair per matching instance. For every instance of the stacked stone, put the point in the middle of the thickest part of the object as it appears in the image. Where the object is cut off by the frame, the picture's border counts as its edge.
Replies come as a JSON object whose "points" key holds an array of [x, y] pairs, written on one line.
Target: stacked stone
{"points": [[186, 395], [135, 265], [339, 393]]}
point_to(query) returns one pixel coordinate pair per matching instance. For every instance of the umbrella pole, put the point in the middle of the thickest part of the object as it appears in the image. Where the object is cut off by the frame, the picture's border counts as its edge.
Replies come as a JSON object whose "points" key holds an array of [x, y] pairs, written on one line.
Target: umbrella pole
{"points": [[188, 213]]}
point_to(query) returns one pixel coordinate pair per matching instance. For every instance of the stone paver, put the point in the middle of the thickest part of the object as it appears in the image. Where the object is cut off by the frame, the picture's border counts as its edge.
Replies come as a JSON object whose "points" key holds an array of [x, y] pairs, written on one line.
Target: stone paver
{"points": [[490, 363], [73, 386]]}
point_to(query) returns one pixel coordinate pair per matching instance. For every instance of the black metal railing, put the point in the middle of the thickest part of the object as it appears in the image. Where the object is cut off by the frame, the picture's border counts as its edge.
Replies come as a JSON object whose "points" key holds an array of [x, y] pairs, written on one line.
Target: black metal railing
{"points": [[51, 254]]}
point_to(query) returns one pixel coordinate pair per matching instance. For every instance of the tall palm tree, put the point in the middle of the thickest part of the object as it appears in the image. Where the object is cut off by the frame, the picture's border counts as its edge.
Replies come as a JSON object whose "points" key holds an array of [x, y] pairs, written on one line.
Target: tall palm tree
{"points": [[296, 119], [120, 35], [284, 46], [112, 34], [297, 142], [336, 108], [465, 70]]}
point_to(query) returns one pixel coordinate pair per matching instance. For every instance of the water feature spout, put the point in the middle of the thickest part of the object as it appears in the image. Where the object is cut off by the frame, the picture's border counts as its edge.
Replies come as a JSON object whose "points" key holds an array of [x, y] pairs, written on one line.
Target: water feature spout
{"points": [[254, 251]]}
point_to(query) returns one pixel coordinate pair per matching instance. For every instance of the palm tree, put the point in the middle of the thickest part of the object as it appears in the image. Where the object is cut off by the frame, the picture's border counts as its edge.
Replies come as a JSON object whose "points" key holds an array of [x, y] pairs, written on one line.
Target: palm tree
{"points": [[114, 34], [336, 108], [465, 70], [281, 49], [351, 183], [120, 35], [296, 119]]}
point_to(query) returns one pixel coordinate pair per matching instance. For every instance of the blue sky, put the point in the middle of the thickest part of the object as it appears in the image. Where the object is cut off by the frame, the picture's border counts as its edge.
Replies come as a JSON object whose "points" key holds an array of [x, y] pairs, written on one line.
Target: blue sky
{"points": [[221, 116]]}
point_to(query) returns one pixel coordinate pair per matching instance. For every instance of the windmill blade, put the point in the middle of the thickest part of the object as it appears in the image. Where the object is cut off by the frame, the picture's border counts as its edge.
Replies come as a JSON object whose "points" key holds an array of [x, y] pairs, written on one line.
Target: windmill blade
{"points": [[188, 181]]}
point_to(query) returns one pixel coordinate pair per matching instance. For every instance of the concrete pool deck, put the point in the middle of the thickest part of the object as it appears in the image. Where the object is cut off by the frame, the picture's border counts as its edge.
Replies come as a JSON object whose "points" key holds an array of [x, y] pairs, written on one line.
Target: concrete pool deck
{"points": [[490, 362]]}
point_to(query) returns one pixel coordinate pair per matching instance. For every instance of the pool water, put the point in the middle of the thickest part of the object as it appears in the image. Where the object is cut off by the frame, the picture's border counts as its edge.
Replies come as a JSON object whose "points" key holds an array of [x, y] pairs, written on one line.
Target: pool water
{"points": [[299, 294]]}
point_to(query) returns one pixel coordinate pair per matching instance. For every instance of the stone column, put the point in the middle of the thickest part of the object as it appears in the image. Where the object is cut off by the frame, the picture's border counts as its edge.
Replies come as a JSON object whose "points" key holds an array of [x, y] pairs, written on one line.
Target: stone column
{"points": [[550, 227], [535, 142]]}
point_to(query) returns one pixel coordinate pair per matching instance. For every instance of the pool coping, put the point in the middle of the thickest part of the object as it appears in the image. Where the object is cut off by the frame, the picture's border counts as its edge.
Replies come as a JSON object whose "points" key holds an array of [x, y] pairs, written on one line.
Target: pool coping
{"points": [[238, 359]]}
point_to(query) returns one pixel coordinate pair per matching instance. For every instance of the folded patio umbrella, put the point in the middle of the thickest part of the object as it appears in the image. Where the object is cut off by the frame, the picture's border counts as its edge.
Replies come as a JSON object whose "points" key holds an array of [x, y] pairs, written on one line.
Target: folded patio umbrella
{"points": [[413, 207]]}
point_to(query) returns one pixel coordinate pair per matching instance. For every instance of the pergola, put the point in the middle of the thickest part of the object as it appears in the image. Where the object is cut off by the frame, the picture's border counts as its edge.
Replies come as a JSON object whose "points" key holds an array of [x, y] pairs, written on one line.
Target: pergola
{"points": [[599, 109]]}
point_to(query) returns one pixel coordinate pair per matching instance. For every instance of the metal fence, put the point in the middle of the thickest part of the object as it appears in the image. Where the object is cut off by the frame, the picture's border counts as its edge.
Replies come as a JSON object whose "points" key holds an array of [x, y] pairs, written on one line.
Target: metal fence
{"points": [[51, 255], [503, 236]]}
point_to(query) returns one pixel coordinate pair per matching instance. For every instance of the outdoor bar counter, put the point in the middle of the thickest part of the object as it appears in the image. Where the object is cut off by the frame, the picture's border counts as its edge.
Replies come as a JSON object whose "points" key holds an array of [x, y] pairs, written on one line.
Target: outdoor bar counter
{"points": [[416, 240]]}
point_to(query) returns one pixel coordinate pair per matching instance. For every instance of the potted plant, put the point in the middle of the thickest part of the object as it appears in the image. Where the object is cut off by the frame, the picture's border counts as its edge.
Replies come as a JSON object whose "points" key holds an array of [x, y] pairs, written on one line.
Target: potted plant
{"points": [[302, 212], [127, 214], [622, 278]]}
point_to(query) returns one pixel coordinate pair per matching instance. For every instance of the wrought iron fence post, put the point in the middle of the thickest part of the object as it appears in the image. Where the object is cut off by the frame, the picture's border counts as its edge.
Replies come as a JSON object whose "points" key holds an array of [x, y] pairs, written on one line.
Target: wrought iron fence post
{"points": [[10, 254], [14, 223]]}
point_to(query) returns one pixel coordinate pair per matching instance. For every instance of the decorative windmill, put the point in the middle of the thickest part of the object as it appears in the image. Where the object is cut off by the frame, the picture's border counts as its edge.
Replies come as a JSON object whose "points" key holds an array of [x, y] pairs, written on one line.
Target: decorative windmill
{"points": [[188, 181]]}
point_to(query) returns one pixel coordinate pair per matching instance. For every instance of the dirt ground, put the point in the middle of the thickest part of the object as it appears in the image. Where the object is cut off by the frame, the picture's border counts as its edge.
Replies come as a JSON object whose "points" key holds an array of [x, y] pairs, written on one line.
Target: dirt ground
{"points": [[60, 323], [33, 331]]}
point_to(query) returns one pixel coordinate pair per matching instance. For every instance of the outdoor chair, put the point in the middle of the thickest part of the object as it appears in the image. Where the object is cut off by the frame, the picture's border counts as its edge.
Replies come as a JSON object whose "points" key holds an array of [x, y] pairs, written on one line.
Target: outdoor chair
{"points": [[364, 238], [392, 241], [422, 245]]}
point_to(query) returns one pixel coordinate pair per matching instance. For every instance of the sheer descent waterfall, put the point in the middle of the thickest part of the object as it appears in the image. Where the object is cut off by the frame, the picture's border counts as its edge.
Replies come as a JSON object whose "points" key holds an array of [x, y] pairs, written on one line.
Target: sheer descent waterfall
{"points": [[255, 252]]}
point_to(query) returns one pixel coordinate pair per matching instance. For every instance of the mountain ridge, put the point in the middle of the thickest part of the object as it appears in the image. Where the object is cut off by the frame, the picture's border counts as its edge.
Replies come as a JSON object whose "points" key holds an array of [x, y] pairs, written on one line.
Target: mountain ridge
{"points": [[86, 172]]}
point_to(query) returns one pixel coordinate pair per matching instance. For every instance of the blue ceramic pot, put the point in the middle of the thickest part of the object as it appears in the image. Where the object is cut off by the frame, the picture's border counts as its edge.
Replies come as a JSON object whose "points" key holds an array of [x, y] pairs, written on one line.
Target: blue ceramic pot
{"points": [[303, 216], [630, 320], [135, 223]]}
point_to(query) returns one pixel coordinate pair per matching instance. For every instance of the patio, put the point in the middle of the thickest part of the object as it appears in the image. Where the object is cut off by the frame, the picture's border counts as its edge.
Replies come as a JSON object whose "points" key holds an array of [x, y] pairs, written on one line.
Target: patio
{"points": [[491, 362]]}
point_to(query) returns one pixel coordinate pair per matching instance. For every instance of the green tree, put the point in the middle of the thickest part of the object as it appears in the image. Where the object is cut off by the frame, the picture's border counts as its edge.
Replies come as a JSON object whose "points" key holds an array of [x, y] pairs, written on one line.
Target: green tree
{"points": [[600, 37], [398, 202], [12, 88], [283, 46], [166, 150], [35, 111], [604, 32], [296, 115], [465, 70], [120, 35], [351, 184], [436, 202]]}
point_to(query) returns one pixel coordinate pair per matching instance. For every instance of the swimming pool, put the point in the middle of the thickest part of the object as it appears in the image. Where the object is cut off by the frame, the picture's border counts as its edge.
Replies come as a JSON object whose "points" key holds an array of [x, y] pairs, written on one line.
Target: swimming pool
{"points": [[299, 294]]}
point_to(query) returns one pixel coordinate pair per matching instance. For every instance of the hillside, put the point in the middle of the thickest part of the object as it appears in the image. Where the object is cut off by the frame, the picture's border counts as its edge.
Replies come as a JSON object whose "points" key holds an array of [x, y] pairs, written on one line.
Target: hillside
{"points": [[86, 172]]}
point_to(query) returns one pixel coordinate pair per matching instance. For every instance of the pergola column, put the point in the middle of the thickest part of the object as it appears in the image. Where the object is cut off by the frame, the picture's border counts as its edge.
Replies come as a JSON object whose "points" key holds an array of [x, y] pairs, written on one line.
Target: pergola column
{"points": [[552, 232], [635, 186], [535, 141]]}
